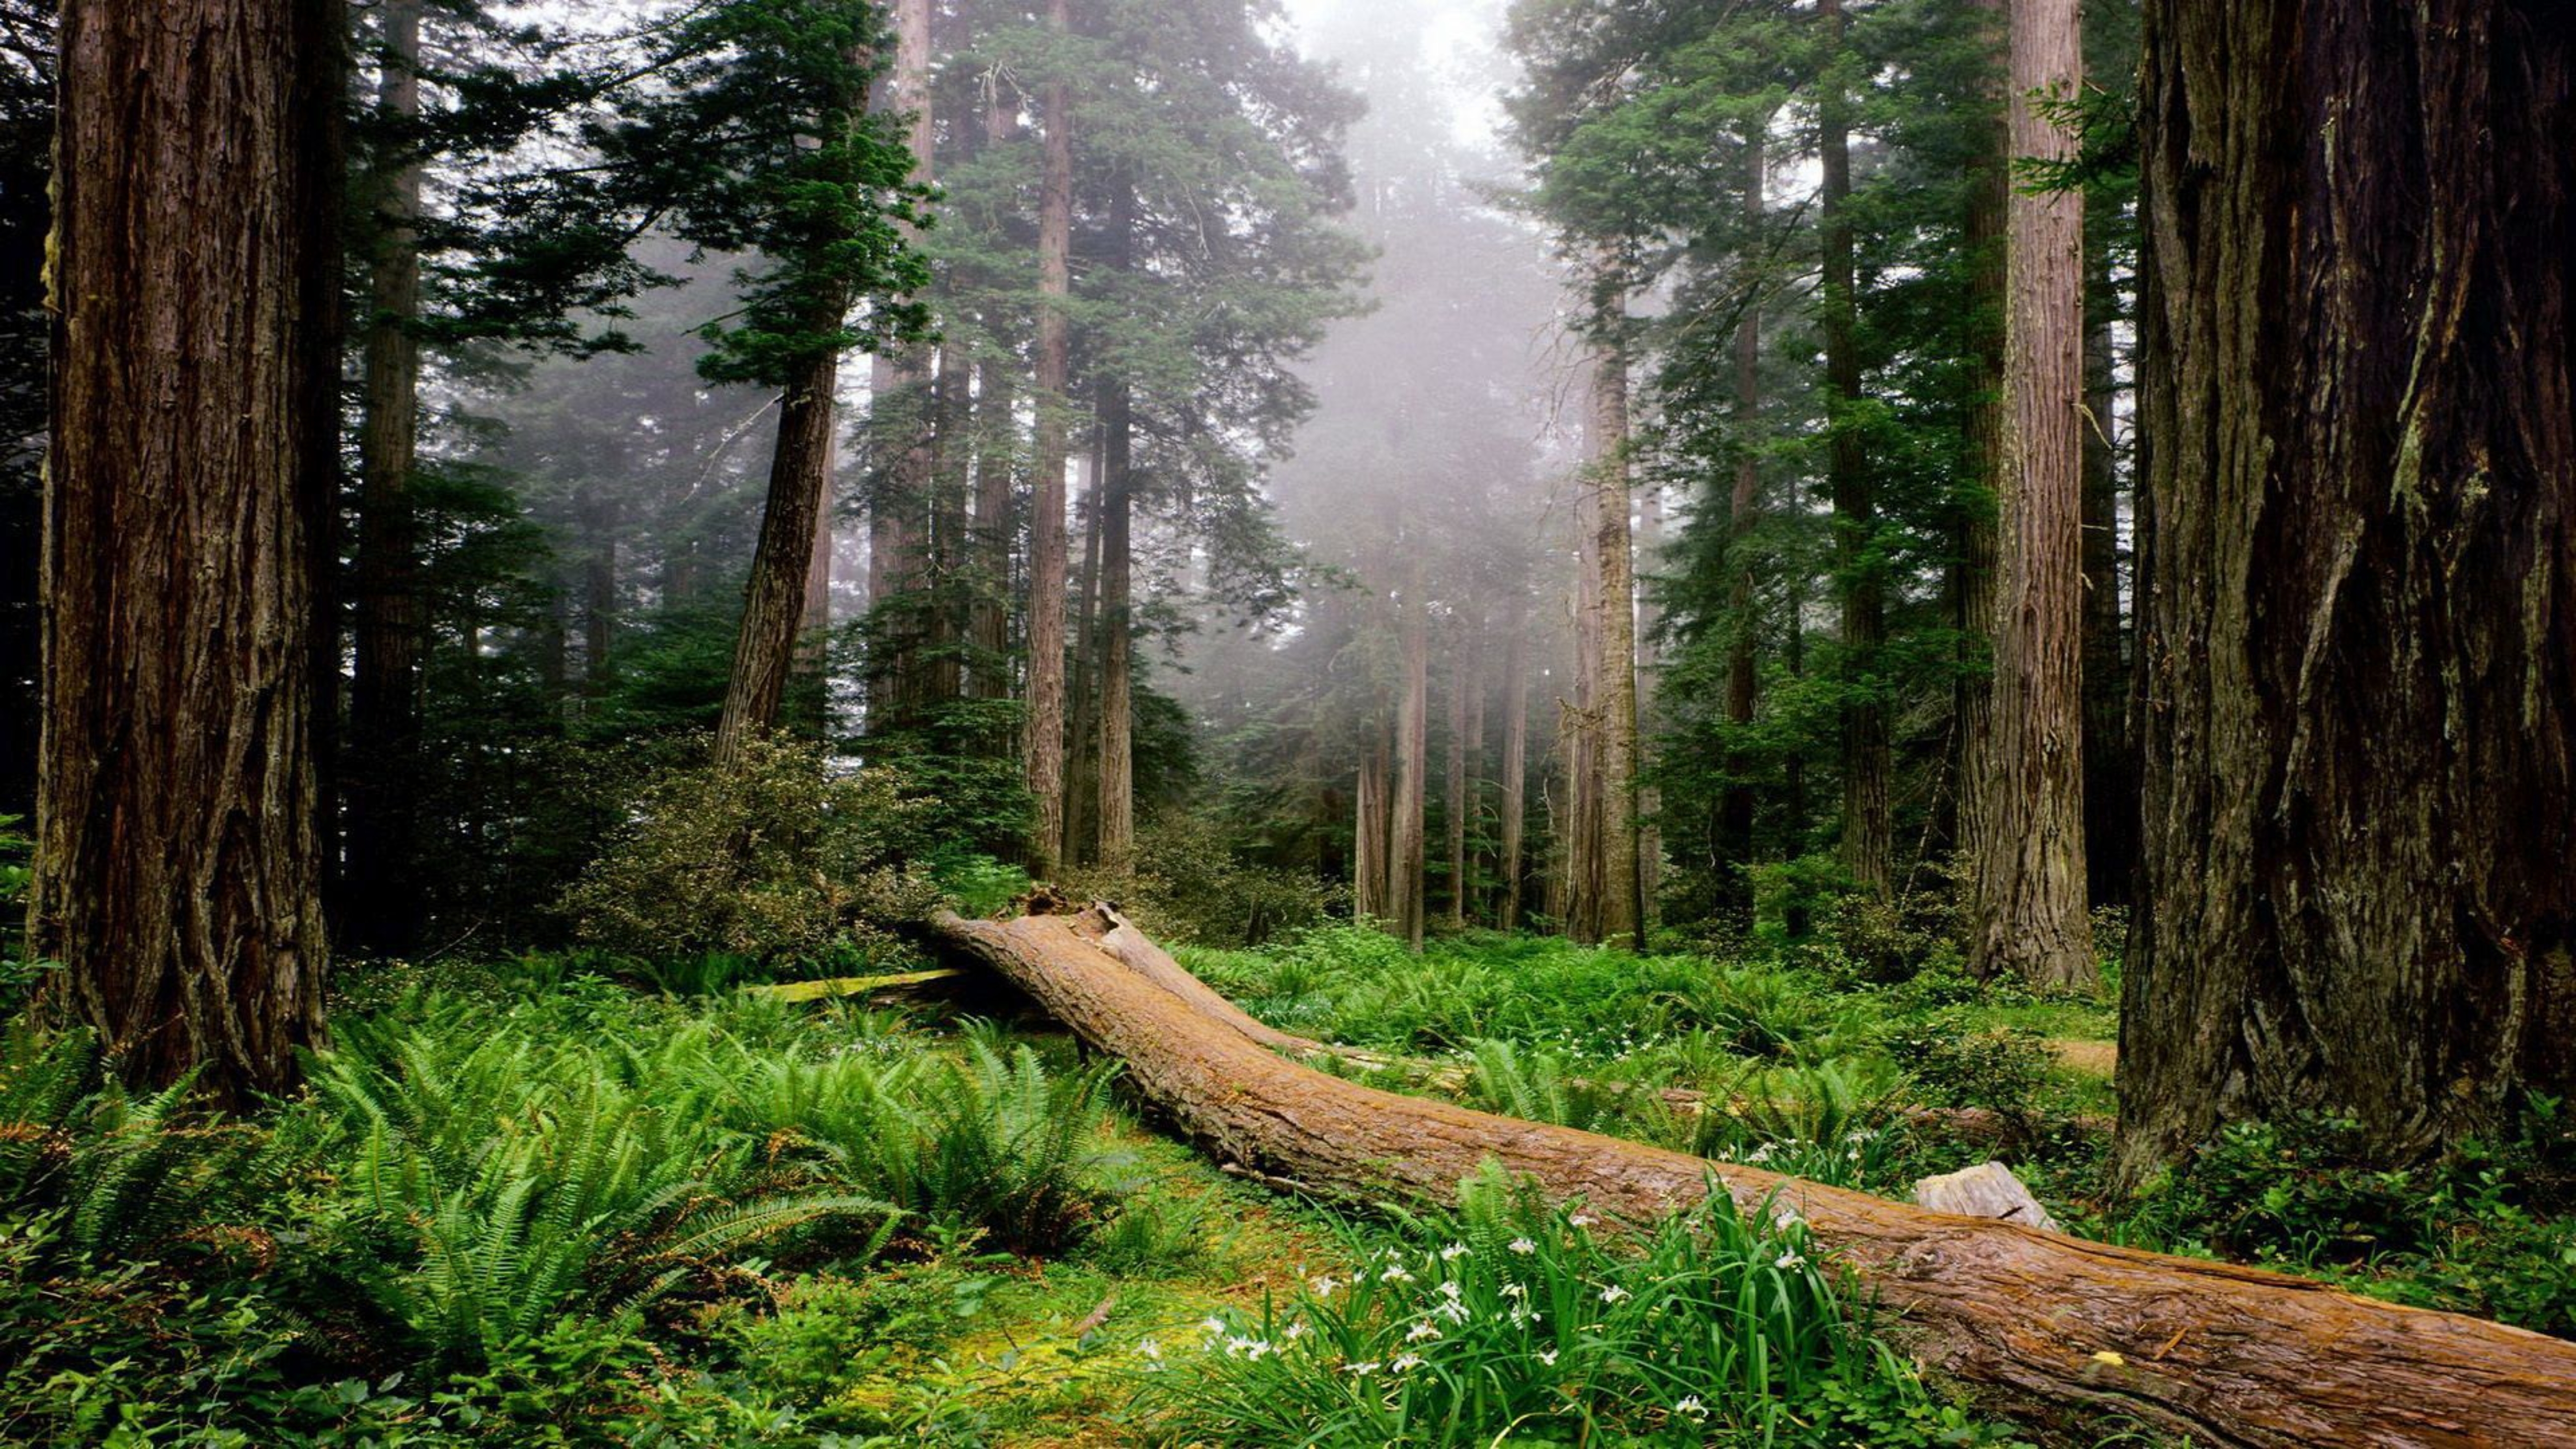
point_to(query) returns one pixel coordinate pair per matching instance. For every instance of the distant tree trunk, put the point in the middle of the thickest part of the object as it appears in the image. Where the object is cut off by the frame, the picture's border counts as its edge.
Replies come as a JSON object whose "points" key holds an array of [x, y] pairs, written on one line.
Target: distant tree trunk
{"points": [[600, 520], [1623, 909], [1577, 835], [1045, 753], [899, 427], [1735, 811], [1650, 800], [1412, 753], [1515, 767], [1972, 584], [997, 448], [2031, 900], [178, 866], [1867, 837], [2110, 756], [2360, 725], [1117, 626], [1369, 826], [949, 556], [1082, 792], [384, 767], [1464, 686]]}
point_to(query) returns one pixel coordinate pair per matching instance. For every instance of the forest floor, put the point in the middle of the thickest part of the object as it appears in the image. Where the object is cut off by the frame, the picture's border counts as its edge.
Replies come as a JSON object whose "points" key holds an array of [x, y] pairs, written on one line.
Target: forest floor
{"points": [[490, 1219]]}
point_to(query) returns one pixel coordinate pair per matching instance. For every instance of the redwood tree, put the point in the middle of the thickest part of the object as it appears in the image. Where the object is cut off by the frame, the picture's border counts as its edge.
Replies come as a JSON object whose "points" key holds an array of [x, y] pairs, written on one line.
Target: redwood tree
{"points": [[1045, 770], [2359, 616], [177, 863], [2031, 916]]}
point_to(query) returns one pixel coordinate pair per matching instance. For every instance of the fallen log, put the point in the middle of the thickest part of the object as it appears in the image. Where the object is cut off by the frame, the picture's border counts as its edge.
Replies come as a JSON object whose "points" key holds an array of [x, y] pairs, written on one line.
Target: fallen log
{"points": [[1113, 933], [2229, 1355]]}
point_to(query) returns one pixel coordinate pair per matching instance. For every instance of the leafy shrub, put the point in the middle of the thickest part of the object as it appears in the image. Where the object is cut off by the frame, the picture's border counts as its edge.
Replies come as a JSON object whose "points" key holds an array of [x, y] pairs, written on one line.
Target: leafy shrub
{"points": [[1511, 1320], [1956, 1064], [775, 857], [1187, 886]]}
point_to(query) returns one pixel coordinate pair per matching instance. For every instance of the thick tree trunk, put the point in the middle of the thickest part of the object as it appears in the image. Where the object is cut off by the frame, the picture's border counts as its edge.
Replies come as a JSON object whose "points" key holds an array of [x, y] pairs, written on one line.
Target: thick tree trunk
{"points": [[2110, 756], [1744, 502], [1623, 908], [1045, 749], [1082, 787], [178, 866], [1867, 836], [2032, 904], [1412, 755], [1972, 580], [1512, 822], [997, 449], [773, 609], [2232, 1356], [1576, 888], [2360, 621], [381, 778]]}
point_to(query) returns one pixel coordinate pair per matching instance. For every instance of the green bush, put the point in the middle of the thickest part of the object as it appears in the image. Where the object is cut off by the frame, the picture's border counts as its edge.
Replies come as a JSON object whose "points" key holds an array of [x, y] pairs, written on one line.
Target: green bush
{"points": [[1955, 1063], [775, 857], [1188, 886]]}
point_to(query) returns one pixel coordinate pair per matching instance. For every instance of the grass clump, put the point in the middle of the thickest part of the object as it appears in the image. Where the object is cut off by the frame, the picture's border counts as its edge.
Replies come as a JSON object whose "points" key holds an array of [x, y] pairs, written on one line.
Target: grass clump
{"points": [[1512, 1319]]}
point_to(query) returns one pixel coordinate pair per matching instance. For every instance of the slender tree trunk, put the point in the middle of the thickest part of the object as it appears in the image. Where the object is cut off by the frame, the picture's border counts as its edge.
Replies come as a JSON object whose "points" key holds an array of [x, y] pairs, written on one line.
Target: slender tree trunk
{"points": [[2031, 917], [949, 556], [2110, 756], [1117, 563], [997, 449], [1649, 666], [600, 519], [1515, 768], [384, 769], [1867, 838], [178, 865], [1369, 826], [1045, 772], [1735, 814], [1578, 837], [1082, 792], [1623, 909], [1455, 805], [1412, 754], [1972, 589], [900, 384], [2360, 725]]}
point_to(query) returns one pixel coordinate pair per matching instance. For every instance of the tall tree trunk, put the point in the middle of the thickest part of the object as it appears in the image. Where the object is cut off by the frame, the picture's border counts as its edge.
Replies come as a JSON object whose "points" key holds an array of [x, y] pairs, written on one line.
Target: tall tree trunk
{"points": [[383, 771], [1744, 502], [599, 512], [1577, 836], [1412, 753], [1045, 753], [1464, 685], [1623, 908], [178, 867], [997, 449], [1972, 580], [1082, 791], [901, 436], [1867, 838], [2360, 858], [950, 555], [814, 626], [2110, 756], [1117, 566], [2031, 915], [1368, 826], [1515, 767]]}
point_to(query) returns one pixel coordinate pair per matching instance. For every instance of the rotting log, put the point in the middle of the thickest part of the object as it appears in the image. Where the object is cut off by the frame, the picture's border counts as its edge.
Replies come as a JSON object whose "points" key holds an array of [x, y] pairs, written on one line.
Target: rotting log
{"points": [[2229, 1355]]}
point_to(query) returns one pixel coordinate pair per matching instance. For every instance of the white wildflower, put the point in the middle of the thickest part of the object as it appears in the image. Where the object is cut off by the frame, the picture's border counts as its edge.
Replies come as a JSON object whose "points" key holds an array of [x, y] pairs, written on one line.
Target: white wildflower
{"points": [[1361, 1370], [1788, 1260], [1516, 1290], [1691, 1405], [1523, 1246], [1405, 1361], [1613, 1294], [1149, 1348], [1583, 1220], [1451, 1289], [1453, 1252], [1296, 1331], [1452, 1309], [1547, 1356], [1324, 1287], [1395, 1274], [1421, 1331], [1212, 1325]]}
